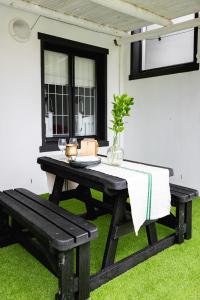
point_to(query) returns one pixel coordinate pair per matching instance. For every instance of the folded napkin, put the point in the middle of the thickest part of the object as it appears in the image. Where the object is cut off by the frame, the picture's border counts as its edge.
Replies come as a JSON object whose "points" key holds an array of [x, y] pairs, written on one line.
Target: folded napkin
{"points": [[148, 189]]}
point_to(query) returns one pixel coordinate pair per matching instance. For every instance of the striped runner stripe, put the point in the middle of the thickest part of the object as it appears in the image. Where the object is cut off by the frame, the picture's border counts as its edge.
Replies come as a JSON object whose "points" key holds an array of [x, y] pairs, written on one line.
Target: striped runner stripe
{"points": [[149, 194]]}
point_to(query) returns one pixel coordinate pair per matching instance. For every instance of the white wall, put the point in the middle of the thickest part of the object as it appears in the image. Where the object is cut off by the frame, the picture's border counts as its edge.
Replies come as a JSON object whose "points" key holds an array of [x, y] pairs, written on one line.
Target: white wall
{"points": [[164, 127], [20, 95]]}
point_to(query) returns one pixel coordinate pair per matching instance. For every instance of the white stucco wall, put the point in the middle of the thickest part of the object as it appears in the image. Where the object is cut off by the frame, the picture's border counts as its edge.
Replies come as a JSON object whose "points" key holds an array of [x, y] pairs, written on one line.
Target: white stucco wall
{"points": [[20, 95], [164, 127]]}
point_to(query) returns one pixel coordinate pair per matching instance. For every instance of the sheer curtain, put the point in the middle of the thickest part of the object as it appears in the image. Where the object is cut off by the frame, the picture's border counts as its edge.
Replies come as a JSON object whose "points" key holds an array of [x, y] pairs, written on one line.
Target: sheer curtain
{"points": [[85, 96], [56, 101]]}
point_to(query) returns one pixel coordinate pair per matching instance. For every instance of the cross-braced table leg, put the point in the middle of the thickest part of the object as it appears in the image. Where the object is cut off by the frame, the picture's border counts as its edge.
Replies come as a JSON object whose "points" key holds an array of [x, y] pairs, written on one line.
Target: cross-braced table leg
{"points": [[117, 217], [84, 194], [57, 190]]}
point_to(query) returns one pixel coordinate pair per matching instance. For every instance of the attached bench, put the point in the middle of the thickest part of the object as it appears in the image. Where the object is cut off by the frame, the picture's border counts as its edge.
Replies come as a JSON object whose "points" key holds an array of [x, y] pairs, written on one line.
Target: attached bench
{"points": [[181, 198], [51, 234]]}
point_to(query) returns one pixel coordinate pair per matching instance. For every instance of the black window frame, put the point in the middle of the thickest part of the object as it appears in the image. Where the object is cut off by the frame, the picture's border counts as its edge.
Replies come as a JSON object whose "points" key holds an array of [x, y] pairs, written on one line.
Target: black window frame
{"points": [[136, 71], [72, 49]]}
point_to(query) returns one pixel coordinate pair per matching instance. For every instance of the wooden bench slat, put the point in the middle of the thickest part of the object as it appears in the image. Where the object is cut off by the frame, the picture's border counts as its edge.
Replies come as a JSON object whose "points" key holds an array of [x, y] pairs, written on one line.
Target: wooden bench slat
{"points": [[179, 195], [183, 189], [66, 226], [60, 240], [182, 193], [90, 228]]}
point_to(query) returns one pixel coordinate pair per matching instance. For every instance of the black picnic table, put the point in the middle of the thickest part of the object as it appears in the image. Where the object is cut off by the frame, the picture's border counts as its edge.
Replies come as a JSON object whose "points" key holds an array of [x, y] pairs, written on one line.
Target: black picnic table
{"points": [[114, 202]]}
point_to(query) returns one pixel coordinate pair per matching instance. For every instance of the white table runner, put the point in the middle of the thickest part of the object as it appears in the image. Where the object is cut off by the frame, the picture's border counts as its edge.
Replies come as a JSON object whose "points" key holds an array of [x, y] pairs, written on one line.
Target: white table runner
{"points": [[148, 189]]}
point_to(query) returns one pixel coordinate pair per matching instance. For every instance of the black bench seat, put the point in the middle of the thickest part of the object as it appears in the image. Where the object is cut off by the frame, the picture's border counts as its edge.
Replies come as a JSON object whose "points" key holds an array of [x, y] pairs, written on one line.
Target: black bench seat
{"points": [[182, 194], [56, 230], [181, 199]]}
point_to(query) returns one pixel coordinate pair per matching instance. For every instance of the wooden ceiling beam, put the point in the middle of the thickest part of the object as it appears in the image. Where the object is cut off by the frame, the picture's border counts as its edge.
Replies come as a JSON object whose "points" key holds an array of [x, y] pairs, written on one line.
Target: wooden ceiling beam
{"points": [[45, 12], [134, 11], [156, 33]]}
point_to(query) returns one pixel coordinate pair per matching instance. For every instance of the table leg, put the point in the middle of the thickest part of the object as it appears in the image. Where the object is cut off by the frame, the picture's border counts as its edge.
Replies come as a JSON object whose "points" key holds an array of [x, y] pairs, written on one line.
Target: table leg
{"points": [[57, 190], [84, 194], [151, 233], [117, 217], [108, 199]]}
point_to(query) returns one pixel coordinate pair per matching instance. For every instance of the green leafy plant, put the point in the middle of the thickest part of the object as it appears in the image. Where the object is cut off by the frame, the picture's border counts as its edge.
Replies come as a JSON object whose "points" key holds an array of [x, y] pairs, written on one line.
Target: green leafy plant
{"points": [[121, 108]]}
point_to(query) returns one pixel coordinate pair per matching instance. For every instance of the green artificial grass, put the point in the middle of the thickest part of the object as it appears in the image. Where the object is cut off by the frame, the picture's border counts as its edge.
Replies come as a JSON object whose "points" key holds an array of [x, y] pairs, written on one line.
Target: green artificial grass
{"points": [[171, 274]]}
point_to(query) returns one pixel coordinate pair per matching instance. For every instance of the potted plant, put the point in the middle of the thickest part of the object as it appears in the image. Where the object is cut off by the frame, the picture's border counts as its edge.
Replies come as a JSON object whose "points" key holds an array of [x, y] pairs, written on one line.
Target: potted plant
{"points": [[121, 108]]}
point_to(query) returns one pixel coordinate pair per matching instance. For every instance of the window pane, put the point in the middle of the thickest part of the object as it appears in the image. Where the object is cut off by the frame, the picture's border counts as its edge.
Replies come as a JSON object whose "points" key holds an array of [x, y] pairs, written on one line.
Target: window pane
{"points": [[56, 93], [172, 49], [85, 97]]}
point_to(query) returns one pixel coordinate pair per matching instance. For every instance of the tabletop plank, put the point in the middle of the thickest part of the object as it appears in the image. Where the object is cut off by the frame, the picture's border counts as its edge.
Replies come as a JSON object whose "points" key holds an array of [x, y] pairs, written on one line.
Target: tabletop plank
{"points": [[86, 177]]}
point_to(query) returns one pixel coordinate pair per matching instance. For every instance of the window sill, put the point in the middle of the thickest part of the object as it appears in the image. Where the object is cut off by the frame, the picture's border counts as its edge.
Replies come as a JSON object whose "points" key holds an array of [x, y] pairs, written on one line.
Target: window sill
{"points": [[188, 67], [48, 147]]}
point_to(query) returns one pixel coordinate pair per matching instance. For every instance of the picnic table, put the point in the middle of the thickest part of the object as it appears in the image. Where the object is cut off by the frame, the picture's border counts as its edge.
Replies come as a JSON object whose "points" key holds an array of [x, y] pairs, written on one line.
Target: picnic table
{"points": [[115, 203]]}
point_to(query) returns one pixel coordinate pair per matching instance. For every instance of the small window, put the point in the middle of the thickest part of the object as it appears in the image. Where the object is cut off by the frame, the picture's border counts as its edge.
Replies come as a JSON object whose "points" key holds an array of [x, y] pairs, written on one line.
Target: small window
{"points": [[56, 94], [85, 97], [74, 91], [171, 53]]}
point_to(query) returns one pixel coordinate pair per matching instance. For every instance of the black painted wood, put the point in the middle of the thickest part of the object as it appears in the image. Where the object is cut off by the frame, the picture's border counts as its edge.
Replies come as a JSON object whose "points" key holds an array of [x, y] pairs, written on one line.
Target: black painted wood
{"points": [[180, 222], [123, 229], [38, 224], [82, 223], [6, 236], [117, 218], [83, 271], [129, 262], [84, 194], [169, 221], [182, 194], [114, 202], [71, 229], [50, 233], [57, 190], [85, 177], [88, 178], [151, 233], [181, 198], [188, 220], [66, 276], [37, 247]]}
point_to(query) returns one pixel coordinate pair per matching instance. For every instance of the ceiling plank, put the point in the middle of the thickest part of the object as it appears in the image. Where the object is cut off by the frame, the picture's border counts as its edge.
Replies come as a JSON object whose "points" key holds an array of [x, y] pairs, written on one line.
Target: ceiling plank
{"points": [[134, 11], [156, 33], [45, 12]]}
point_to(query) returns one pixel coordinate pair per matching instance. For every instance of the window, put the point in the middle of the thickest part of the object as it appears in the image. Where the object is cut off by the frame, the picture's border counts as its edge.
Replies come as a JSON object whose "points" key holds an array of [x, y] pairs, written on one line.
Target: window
{"points": [[171, 53], [74, 91]]}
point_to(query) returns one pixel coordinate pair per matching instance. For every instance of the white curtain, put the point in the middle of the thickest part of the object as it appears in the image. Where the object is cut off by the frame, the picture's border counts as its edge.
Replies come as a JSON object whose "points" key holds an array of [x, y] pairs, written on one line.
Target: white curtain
{"points": [[84, 72], [56, 68]]}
